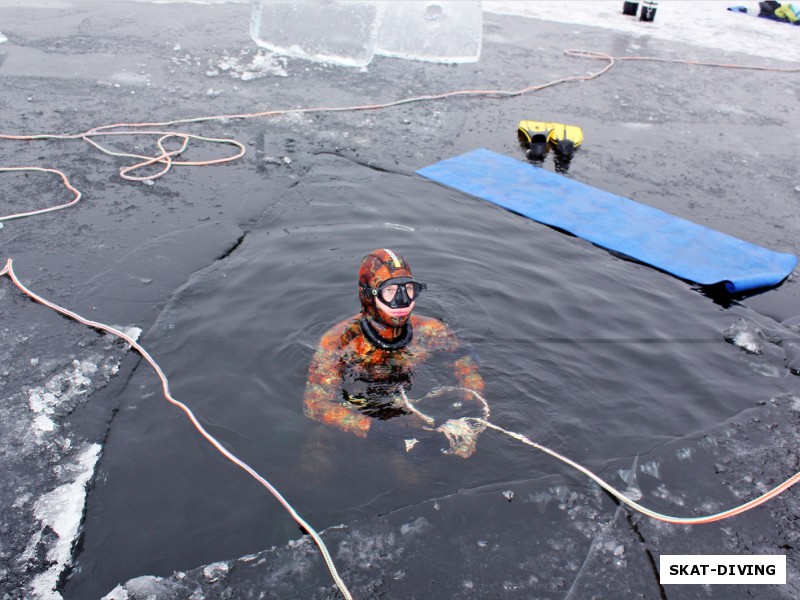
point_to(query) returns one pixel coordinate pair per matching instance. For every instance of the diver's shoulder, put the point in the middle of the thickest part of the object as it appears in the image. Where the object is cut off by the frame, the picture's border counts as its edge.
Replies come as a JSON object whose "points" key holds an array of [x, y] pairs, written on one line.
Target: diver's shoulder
{"points": [[340, 331], [429, 325]]}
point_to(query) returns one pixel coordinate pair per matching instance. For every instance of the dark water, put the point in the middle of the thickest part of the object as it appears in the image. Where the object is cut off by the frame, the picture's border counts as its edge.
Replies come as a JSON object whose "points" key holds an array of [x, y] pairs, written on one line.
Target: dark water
{"points": [[605, 360]]}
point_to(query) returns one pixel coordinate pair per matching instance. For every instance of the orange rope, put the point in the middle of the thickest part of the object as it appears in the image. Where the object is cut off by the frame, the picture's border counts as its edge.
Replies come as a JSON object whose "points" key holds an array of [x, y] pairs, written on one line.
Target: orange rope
{"points": [[68, 185]]}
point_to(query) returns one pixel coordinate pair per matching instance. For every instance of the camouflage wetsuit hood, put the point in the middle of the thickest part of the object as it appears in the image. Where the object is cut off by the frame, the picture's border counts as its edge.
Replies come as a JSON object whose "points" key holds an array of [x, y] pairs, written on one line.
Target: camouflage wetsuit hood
{"points": [[377, 267]]}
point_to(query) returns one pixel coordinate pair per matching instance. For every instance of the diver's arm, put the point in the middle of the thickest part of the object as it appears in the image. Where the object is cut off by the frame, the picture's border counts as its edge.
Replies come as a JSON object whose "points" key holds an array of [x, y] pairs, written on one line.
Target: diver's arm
{"points": [[323, 400], [465, 366], [438, 336], [466, 370]]}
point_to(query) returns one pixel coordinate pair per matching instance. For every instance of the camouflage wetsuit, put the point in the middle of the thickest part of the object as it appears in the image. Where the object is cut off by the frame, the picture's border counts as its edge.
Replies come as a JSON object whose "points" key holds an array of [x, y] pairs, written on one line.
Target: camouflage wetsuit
{"points": [[363, 362]]}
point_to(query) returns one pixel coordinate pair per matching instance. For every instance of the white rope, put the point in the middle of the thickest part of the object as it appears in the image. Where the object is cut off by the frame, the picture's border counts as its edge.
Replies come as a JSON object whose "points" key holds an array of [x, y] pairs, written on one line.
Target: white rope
{"points": [[485, 423]]}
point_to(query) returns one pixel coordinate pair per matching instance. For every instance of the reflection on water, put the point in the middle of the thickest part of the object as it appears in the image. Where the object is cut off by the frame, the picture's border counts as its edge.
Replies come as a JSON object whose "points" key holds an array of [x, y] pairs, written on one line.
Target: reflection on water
{"points": [[600, 358]]}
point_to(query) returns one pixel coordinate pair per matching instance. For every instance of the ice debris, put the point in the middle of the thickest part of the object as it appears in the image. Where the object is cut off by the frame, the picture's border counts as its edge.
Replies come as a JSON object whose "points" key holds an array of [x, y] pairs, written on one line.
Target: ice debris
{"points": [[650, 468], [611, 547], [247, 68], [61, 511], [150, 587], [633, 491], [774, 344], [417, 526], [216, 571], [745, 336], [65, 389]]}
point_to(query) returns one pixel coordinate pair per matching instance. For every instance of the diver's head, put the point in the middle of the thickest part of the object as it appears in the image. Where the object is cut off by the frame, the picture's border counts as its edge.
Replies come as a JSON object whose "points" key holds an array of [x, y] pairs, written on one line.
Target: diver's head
{"points": [[387, 289]]}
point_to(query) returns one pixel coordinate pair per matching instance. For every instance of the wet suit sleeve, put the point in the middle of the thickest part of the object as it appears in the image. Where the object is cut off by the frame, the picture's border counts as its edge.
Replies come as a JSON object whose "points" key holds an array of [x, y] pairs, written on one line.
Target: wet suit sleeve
{"points": [[466, 370], [438, 336], [465, 366], [323, 396]]}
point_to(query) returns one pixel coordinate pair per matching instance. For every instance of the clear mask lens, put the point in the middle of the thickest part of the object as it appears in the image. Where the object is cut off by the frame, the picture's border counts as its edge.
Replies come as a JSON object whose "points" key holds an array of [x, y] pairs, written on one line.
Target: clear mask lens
{"points": [[390, 292]]}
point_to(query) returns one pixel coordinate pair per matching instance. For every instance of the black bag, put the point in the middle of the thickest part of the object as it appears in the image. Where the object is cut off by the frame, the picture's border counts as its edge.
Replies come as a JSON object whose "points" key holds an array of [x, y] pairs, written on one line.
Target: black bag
{"points": [[768, 8]]}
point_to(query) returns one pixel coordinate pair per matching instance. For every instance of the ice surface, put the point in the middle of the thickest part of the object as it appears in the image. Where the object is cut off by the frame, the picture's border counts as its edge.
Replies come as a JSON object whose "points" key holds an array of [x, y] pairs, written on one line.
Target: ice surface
{"points": [[47, 463], [434, 31], [705, 23], [341, 32], [64, 388], [699, 23], [149, 587]]}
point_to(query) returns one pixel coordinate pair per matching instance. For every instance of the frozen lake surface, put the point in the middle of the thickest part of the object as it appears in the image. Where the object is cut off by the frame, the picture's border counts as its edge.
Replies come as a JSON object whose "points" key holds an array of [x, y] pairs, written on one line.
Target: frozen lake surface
{"points": [[694, 398]]}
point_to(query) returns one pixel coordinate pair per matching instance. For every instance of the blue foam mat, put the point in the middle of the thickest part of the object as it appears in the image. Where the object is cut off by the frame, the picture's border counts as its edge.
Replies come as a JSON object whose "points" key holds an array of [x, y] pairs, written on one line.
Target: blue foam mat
{"points": [[677, 246]]}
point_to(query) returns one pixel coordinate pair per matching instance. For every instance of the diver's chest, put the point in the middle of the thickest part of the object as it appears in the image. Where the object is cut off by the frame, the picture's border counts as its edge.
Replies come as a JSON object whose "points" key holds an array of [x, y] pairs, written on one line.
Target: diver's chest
{"points": [[377, 363]]}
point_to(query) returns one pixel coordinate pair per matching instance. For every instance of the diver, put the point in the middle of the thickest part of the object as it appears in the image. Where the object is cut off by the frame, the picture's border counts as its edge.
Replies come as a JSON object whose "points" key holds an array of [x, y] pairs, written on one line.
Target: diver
{"points": [[362, 372]]}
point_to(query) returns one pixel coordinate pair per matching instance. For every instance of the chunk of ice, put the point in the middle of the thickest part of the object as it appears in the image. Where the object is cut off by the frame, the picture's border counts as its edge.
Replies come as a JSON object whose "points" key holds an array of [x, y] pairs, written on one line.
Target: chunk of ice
{"points": [[341, 32], [744, 335], [216, 571], [434, 31], [350, 32]]}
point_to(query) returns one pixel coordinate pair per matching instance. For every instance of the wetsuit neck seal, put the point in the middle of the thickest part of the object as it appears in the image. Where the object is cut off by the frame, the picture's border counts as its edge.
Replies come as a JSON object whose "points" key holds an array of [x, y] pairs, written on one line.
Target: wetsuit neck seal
{"points": [[376, 340]]}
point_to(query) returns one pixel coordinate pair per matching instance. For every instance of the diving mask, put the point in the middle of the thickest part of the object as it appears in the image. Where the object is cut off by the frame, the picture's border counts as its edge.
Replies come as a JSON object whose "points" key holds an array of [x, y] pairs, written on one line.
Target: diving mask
{"points": [[398, 292]]}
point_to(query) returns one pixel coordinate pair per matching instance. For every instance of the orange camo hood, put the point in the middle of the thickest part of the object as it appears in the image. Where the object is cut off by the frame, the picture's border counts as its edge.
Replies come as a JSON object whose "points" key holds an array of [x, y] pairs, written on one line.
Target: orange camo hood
{"points": [[376, 267]]}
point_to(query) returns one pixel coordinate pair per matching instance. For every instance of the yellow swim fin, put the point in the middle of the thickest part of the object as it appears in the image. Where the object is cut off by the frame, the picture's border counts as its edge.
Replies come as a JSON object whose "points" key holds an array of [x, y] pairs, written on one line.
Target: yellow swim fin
{"points": [[565, 138], [534, 135]]}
